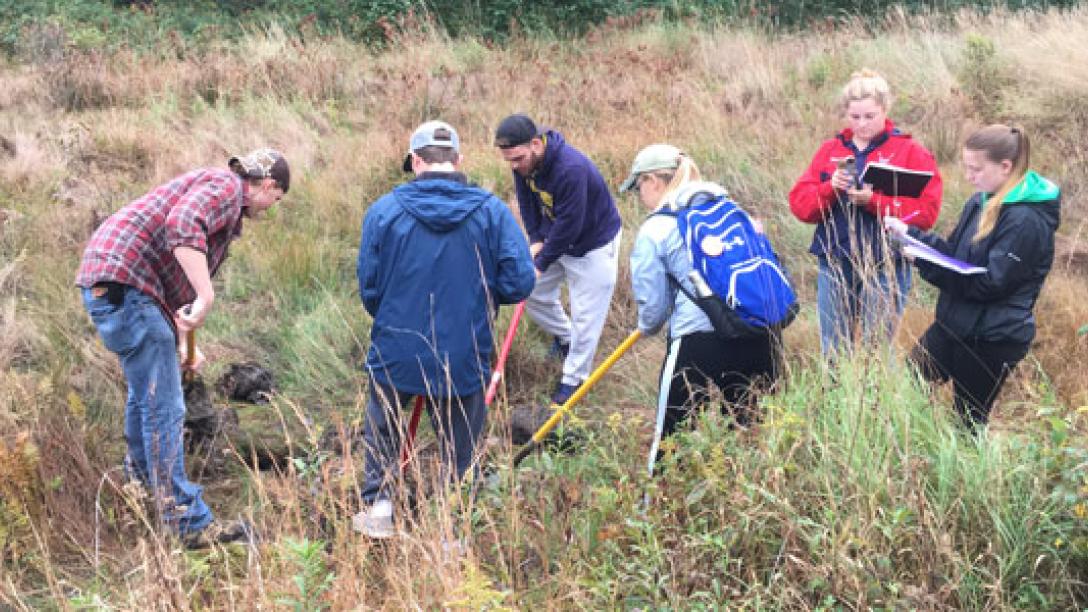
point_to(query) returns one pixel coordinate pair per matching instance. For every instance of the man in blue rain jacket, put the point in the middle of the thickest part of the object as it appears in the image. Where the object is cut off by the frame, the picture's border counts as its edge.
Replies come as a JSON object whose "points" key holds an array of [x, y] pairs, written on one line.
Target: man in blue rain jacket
{"points": [[437, 258]]}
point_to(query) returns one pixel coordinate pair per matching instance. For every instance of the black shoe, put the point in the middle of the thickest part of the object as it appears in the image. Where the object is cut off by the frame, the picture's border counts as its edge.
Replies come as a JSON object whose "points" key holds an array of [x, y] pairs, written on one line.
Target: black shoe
{"points": [[559, 349], [219, 533]]}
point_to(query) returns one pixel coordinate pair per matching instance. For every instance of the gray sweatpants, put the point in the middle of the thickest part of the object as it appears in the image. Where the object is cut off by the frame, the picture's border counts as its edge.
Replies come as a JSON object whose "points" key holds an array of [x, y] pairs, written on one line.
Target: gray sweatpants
{"points": [[590, 281]]}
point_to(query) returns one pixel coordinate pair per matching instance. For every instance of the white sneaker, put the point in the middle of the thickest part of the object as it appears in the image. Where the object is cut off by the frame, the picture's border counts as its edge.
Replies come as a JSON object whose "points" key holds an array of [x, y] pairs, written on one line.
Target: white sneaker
{"points": [[453, 548], [376, 521]]}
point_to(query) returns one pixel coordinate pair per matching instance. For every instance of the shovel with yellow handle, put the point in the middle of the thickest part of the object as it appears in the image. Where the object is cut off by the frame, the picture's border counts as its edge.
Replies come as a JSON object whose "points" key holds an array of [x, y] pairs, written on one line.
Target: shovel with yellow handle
{"points": [[188, 375], [201, 416], [578, 394]]}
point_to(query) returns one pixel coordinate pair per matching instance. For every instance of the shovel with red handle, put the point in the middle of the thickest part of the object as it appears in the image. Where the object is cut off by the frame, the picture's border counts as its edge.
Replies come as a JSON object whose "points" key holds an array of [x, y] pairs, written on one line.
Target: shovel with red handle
{"points": [[413, 424], [500, 365], [489, 395]]}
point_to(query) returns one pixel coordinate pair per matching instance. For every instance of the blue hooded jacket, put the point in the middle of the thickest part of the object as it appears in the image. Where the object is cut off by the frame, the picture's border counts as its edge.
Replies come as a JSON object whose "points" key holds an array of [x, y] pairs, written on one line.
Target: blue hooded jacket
{"points": [[437, 256], [566, 204]]}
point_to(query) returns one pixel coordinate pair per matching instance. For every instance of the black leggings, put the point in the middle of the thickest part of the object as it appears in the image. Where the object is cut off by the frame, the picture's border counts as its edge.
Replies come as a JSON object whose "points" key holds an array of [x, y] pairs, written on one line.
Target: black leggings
{"points": [[736, 367], [977, 369]]}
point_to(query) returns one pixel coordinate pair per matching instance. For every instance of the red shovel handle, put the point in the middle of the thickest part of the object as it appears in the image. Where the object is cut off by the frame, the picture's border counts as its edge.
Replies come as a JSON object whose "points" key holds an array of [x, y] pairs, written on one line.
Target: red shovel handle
{"points": [[500, 365], [413, 425], [492, 388]]}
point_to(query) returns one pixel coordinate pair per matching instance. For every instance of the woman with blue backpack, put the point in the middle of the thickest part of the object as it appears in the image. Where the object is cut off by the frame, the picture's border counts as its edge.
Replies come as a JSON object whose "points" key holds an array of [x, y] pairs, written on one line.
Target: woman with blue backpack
{"points": [[736, 355], [861, 284]]}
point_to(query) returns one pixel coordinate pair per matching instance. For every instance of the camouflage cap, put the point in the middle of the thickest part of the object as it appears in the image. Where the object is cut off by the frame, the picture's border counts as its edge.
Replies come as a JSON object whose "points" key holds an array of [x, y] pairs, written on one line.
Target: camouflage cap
{"points": [[263, 163]]}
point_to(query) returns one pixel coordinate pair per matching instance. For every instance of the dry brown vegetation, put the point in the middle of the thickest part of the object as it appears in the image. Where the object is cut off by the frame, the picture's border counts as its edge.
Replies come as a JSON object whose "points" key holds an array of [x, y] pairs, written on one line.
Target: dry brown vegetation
{"points": [[83, 133]]}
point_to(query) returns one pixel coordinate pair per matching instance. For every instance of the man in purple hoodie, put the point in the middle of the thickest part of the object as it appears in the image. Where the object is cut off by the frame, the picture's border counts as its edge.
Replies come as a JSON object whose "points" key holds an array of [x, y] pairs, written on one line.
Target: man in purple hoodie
{"points": [[574, 235]]}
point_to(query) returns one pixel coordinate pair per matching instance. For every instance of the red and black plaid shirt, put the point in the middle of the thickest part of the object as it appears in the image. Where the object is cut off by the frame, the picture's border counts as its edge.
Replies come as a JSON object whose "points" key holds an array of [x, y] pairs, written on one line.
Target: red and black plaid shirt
{"points": [[135, 245]]}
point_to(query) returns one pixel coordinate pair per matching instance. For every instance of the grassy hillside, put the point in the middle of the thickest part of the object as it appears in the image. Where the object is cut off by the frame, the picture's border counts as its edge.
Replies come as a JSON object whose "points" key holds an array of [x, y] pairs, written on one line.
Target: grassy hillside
{"points": [[857, 491]]}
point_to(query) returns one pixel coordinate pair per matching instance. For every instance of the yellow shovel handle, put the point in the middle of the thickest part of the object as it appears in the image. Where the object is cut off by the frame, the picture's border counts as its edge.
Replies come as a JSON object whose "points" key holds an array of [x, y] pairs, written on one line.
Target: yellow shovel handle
{"points": [[581, 391], [190, 355]]}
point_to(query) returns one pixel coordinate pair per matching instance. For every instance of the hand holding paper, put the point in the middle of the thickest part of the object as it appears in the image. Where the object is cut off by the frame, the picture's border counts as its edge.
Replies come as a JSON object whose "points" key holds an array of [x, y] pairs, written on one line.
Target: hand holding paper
{"points": [[916, 249], [896, 226]]}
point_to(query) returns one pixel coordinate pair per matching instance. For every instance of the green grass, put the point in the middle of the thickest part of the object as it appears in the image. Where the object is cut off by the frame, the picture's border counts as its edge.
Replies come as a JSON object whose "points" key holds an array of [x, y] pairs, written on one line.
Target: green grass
{"points": [[861, 492]]}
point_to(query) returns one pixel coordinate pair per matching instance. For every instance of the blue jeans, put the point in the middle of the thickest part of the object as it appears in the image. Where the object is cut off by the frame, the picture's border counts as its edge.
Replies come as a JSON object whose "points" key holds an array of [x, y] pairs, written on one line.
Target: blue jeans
{"points": [[848, 297], [458, 422], [138, 332]]}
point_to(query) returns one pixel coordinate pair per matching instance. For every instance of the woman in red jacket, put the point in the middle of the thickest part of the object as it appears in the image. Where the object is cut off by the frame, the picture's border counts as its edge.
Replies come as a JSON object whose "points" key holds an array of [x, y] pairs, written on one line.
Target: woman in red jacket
{"points": [[860, 281]]}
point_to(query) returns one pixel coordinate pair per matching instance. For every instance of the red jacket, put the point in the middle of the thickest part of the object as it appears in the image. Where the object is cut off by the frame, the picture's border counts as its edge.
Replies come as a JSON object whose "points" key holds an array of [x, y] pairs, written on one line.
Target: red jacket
{"points": [[812, 199]]}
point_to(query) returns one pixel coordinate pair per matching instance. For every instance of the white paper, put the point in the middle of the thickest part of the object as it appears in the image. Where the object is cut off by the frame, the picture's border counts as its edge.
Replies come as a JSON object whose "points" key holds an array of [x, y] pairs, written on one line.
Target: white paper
{"points": [[920, 250]]}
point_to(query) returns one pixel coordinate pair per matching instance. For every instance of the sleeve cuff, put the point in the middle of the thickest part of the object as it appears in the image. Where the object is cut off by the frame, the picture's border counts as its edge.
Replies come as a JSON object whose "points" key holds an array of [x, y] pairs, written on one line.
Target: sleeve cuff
{"points": [[193, 242]]}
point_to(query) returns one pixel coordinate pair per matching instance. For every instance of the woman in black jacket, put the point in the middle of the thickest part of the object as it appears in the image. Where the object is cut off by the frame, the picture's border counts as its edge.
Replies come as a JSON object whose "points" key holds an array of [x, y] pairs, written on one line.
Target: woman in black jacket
{"points": [[984, 324]]}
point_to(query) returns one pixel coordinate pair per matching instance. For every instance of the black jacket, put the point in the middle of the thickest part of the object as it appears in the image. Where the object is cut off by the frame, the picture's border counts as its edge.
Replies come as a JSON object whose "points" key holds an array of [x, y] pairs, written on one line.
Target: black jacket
{"points": [[997, 306]]}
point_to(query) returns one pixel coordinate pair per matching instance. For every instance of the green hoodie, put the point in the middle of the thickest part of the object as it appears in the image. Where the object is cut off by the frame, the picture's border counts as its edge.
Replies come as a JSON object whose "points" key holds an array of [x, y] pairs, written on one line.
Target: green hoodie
{"points": [[1033, 188]]}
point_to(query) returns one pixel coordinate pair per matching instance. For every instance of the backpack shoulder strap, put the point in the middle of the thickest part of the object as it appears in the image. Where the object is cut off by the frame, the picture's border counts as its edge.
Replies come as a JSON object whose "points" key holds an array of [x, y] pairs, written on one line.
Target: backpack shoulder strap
{"points": [[676, 283], [726, 322]]}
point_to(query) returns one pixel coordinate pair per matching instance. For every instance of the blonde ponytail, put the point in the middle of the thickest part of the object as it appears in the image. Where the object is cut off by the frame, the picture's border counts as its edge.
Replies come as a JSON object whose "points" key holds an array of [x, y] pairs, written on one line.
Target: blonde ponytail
{"points": [[686, 171]]}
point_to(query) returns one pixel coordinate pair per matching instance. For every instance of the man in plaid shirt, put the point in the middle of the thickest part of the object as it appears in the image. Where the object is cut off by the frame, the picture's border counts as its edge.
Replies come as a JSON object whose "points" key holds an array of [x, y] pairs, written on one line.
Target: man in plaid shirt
{"points": [[146, 281]]}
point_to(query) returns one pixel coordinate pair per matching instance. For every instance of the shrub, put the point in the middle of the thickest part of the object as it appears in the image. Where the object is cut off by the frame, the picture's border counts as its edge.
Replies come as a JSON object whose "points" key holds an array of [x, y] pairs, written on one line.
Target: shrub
{"points": [[156, 26], [982, 76]]}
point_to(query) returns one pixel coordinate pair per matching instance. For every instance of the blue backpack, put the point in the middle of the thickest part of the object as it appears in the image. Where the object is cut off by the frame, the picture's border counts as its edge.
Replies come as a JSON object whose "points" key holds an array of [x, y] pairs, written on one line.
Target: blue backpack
{"points": [[735, 260]]}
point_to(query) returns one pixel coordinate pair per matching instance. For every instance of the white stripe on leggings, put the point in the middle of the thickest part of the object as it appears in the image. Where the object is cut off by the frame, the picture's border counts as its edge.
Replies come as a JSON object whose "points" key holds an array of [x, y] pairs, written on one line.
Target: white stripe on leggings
{"points": [[663, 399]]}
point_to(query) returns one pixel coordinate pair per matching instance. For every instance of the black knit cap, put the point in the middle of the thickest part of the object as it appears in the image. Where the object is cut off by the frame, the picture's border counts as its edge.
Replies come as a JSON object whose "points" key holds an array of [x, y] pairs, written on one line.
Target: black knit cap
{"points": [[515, 131]]}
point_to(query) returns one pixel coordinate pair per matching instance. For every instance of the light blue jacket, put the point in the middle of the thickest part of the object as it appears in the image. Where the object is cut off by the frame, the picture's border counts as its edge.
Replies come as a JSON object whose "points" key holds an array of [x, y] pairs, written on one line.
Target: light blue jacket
{"points": [[658, 251]]}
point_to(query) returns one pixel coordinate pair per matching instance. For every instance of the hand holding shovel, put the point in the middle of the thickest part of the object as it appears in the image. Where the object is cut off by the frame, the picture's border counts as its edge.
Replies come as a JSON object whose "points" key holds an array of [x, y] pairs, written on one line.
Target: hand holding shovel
{"points": [[194, 357], [200, 413], [191, 316]]}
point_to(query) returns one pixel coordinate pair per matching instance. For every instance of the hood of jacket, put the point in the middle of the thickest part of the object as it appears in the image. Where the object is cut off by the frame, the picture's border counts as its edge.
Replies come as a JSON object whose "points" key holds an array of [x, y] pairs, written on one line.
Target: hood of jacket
{"points": [[1032, 188], [553, 141], [440, 204], [1038, 192]]}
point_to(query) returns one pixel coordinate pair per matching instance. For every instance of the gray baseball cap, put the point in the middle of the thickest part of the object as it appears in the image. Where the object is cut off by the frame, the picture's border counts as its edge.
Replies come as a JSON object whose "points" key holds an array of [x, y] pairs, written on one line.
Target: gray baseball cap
{"points": [[431, 134], [653, 157]]}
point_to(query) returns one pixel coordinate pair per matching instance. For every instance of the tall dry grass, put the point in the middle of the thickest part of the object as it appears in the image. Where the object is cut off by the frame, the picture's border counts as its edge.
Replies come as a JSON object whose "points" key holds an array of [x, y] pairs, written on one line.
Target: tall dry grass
{"points": [[93, 131]]}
